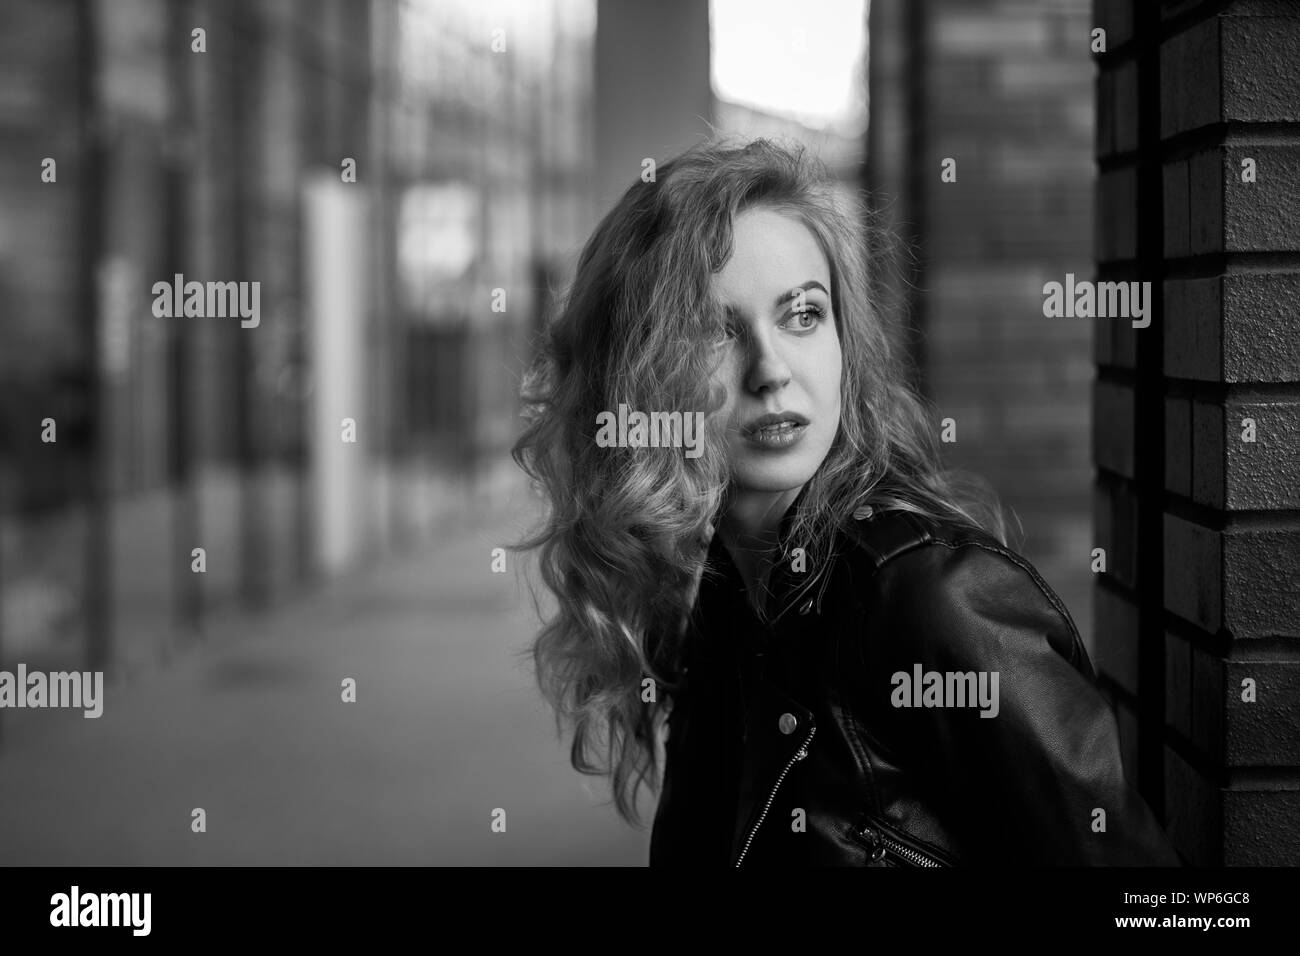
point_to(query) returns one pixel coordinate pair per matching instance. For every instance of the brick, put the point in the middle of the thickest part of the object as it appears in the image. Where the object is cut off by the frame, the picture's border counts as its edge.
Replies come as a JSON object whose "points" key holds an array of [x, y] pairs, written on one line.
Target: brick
{"points": [[1261, 573], [1208, 455], [1124, 340], [1029, 331], [1189, 79], [1103, 349], [1259, 827], [1262, 733], [1116, 18], [1207, 704], [977, 425], [1177, 213], [1205, 202], [954, 285], [1178, 684], [981, 33], [1115, 228], [1263, 474], [1193, 585], [1261, 328], [1127, 555], [1116, 115], [1112, 427], [1054, 73], [1126, 107], [1104, 96], [1261, 68], [1115, 341], [1102, 523], [1261, 215], [1116, 531], [1193, 812], [1040, 417], [1115, 631], [1178, 446], [1193, 344], [1259, 82]]}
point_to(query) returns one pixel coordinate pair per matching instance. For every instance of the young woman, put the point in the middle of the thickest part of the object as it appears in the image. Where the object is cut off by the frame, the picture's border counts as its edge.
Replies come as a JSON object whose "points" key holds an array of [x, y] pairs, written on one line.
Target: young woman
{"points": [[797, 628]]}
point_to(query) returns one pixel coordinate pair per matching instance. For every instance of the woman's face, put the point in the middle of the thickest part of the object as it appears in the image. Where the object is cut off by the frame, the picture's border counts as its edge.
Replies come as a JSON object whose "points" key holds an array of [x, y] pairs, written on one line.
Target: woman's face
{"points": [[781, 355]]}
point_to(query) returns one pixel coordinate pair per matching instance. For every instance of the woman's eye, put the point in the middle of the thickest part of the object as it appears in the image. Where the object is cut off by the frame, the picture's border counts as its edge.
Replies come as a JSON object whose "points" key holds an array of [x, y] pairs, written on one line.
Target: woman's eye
{"points": [[726, 334], [811, 312]]}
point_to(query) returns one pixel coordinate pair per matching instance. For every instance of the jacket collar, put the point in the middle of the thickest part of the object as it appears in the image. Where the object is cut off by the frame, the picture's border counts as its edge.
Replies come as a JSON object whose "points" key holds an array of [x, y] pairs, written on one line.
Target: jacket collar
{"points": [[788, 589]]}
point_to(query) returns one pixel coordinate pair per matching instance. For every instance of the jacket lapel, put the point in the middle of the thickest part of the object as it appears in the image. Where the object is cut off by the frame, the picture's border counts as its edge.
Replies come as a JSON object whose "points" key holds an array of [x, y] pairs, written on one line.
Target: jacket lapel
{"points": [[769, 750]]}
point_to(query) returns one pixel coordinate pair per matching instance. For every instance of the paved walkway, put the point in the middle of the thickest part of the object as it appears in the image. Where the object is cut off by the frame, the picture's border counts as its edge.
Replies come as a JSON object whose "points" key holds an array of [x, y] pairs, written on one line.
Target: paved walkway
{"points": [[250, 727]]}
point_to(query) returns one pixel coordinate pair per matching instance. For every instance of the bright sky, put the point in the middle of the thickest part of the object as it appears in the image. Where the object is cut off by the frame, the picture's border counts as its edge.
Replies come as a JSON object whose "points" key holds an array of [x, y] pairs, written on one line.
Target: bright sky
{"points": [[800, 58]]}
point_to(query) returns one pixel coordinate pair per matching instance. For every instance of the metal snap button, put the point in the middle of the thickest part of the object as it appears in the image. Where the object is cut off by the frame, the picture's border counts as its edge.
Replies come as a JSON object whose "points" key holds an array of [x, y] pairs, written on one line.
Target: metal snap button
{"points": [[787, 723]]}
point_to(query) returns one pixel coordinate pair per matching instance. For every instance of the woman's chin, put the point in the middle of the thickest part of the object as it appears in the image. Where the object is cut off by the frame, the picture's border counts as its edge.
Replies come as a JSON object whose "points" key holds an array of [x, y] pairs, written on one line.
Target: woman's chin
{"points": [[771, 479]]}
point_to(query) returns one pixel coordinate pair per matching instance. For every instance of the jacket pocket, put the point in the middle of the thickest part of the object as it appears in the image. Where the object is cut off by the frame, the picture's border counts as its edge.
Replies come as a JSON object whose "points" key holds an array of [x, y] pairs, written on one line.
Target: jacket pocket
{"points": [[888, 845]]}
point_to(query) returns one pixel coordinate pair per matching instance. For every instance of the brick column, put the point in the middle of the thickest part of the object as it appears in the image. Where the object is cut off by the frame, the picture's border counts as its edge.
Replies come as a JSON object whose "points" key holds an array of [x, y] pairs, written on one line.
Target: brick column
{"points": [[1197, 417]]}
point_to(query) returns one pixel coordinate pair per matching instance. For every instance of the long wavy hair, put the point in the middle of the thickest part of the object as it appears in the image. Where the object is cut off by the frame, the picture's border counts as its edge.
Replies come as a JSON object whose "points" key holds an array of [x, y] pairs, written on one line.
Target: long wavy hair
{"points": [[625, 540]]}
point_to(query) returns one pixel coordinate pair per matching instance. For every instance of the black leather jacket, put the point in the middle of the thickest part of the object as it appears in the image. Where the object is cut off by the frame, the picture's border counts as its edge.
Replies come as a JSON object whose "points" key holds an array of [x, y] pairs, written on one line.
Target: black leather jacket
{"points": [[788, 745]]}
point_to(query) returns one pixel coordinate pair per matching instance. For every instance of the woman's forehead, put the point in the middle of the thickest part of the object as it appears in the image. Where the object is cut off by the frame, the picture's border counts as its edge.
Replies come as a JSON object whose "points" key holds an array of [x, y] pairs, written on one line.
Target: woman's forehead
{"points": [[771, 251]]}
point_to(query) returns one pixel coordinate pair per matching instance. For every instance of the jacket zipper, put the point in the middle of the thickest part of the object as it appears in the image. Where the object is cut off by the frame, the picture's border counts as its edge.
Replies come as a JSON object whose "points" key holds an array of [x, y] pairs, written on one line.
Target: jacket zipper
{"points": [[882, 843], [800, 754]]}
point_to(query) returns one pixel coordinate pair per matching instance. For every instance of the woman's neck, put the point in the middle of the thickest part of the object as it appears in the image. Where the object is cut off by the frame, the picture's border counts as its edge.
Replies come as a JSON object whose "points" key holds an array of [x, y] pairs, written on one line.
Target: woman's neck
{"points": [[750, 531]]}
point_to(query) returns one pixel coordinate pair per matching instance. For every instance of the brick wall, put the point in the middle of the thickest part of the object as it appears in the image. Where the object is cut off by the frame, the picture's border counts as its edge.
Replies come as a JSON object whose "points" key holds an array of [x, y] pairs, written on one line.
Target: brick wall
{"points": [[1003, 87], [1202, 591]]}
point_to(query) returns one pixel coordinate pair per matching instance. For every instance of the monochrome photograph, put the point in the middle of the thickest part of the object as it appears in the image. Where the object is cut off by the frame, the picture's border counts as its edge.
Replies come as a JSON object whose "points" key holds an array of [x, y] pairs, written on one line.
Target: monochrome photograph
{"points": [[689, 435]]}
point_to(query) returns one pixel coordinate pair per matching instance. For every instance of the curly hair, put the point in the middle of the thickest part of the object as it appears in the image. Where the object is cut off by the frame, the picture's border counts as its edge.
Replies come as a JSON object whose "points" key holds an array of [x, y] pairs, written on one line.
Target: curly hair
{"points": [[624, 543]]}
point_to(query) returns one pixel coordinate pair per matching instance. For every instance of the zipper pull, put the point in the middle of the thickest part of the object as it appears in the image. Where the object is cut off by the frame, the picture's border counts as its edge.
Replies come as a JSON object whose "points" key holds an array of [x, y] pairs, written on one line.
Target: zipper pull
{"points": [[872, 836]]}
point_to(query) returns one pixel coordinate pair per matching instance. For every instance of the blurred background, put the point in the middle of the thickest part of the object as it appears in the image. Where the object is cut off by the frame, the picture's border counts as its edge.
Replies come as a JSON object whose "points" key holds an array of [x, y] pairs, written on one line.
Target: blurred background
{"points": [[487, 138]]}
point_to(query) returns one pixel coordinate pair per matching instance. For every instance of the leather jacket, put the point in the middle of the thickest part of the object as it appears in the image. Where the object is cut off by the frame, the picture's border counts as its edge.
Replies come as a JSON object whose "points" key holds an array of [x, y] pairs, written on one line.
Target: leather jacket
{"points": [[797, 742]]}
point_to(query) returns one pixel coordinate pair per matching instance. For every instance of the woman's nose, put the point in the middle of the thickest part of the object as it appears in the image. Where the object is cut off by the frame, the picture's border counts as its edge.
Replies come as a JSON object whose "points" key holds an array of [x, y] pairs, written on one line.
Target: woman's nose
{"points": [[768, 368]]}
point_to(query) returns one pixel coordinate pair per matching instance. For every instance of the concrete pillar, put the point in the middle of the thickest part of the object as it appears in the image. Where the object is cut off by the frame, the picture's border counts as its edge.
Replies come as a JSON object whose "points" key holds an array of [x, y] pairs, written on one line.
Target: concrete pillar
{"points": [[653, 94]]}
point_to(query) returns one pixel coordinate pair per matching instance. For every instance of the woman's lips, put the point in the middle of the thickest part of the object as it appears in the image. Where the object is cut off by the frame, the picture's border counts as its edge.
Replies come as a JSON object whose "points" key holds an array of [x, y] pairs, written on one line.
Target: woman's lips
{"points": [[780, 435], [775, 418]]}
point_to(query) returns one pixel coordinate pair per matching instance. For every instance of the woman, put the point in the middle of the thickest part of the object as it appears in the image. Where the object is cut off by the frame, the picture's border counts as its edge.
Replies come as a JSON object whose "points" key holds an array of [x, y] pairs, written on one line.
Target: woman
{"points": [[848, 662]]}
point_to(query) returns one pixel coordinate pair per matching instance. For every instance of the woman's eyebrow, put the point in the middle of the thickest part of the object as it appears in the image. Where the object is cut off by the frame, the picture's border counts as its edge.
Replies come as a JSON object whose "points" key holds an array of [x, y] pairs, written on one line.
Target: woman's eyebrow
{"points": [[785, 297], [794, 293]]}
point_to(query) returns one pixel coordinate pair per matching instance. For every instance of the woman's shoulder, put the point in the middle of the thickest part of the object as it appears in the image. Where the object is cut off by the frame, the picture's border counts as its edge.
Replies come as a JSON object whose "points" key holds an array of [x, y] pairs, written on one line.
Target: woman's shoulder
{"points": [[884, 534], [942, 579], [915, 543]]}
